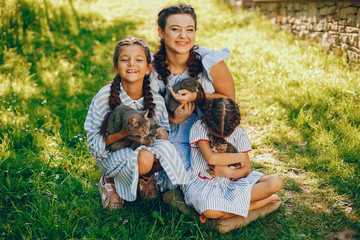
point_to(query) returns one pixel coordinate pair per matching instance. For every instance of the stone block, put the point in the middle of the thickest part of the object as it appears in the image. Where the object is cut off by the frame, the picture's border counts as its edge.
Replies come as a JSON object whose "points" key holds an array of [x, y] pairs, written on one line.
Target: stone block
{"points": [[354, 49], [315, 36], [344, 12], [335, 40], [309, 26], [297, 21], [351, 20], [312, 10], [341, 29], [355, 3], [358, 16], [344, 38], [333, 33], [327, 11], [354, 57], [320, 27], [354, 39], [351, 30], [332, 26], [342, 4], [297, 6], [342, 22]]}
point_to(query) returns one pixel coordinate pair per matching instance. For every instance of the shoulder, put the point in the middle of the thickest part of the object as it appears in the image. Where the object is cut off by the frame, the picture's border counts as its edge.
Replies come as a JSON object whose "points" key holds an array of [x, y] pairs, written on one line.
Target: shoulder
{"points": [[102, 95], [207, 53], [155, 83], [199, 124], [210, 57]]}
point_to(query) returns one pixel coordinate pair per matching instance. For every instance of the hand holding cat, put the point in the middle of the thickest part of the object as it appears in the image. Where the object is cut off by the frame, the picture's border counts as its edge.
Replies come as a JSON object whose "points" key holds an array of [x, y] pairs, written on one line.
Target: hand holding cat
{"points": [[182, 112], [183, 95], [222, 171]]}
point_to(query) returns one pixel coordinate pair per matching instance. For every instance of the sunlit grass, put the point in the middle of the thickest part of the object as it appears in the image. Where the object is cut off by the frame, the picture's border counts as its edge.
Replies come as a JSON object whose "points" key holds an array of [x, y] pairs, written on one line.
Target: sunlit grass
{"points": [[299, 105]]}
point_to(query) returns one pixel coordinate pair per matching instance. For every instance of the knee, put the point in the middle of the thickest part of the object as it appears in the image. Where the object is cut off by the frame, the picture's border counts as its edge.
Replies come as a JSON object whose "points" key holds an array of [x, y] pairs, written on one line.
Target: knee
{"points": [[145, 161], [276, 182], [213, 214]]}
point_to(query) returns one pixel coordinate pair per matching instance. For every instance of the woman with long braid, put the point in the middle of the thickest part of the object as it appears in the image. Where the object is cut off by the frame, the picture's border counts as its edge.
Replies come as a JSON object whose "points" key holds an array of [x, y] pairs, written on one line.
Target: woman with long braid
{"points": [[154, 168], [178, 58], [225, 192]]}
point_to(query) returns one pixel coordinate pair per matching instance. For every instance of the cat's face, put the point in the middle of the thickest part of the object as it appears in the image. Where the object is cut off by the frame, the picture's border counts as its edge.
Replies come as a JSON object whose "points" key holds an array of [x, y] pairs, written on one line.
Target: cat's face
{"points": [[191, 84], [139, 125], [217, 144]]}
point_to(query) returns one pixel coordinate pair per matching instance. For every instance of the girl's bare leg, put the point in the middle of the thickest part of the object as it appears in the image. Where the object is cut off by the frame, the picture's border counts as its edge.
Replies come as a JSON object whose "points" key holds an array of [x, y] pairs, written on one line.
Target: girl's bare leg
{"points": [[213, 214], [265, 187], [263, 202]]}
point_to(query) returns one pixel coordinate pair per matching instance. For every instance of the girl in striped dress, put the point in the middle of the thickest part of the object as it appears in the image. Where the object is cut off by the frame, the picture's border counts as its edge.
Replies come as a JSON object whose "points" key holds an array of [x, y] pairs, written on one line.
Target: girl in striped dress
{"points": [[224, 192], [158, 167]]}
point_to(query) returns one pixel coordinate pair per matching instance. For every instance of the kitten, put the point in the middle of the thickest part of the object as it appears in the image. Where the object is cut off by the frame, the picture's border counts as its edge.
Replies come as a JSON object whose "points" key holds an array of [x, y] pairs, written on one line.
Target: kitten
{"points": [[218, 144], [141, 129], [190, 84]]}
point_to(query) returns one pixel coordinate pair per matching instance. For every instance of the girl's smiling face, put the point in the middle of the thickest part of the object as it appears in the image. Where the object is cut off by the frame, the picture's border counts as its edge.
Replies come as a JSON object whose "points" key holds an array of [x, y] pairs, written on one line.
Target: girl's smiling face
{"points": [[132, 64], [179, 33]]}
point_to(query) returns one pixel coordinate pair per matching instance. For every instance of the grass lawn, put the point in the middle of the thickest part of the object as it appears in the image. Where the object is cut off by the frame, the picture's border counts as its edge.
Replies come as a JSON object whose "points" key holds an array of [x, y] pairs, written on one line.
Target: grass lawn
{"points": [[300, 106]]}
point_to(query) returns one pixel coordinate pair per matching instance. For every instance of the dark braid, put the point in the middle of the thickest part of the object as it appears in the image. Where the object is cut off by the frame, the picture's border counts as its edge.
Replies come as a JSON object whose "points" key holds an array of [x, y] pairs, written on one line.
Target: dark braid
{"points": [[148, 97], [222, 116], [159, 62], [114, 98]]}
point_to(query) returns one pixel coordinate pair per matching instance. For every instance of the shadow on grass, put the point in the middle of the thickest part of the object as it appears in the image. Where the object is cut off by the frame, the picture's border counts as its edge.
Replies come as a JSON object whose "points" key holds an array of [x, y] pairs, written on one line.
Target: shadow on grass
{"points": [[329, 127]]}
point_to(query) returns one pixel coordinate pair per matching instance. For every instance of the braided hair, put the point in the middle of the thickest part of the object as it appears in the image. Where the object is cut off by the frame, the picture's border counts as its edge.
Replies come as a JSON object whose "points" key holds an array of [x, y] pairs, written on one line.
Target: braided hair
{"points": [[159, 62], [114, 98], [222, 116]]}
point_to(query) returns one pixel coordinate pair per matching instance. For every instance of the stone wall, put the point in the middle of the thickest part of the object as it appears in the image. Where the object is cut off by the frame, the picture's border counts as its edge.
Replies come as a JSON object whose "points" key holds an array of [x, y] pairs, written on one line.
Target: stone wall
{"points": [[334, 24]]}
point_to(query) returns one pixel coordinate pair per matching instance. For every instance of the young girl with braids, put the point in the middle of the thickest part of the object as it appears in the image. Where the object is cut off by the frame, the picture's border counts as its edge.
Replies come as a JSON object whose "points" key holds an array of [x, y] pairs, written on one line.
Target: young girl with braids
{"points": [[225, 192], [153, 168], [177, 59]]}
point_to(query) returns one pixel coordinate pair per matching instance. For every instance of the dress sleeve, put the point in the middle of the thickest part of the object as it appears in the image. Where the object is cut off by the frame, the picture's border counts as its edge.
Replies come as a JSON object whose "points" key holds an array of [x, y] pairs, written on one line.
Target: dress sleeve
{"points": [[97, 111], [156, 84], [198, 132], [241, 140], [210, 57], [161, 113]]}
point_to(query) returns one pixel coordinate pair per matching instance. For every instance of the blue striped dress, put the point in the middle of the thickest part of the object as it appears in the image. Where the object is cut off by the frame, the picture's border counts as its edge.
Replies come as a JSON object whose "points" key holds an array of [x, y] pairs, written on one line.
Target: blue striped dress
{"points": [[179, 135], [122, 164], [205, 192]]}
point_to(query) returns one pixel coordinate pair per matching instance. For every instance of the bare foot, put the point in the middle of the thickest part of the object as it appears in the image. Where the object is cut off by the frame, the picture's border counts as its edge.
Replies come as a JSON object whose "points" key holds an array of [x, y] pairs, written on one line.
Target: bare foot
{"points": [[202, 219], [274, 198]]}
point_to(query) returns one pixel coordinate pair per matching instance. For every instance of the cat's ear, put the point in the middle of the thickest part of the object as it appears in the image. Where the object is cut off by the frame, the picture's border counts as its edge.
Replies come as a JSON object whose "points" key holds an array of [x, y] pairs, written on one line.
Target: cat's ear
{"points": [[145, 113], [134, 121]]}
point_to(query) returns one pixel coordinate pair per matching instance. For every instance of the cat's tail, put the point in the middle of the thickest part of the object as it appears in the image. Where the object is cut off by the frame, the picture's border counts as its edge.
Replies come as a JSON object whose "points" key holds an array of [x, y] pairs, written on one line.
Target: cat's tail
{"points": [[104, 125]]}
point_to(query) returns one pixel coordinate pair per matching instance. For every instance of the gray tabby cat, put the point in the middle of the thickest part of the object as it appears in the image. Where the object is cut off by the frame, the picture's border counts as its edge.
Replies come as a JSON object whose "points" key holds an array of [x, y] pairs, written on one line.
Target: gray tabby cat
{"points": [[141, 129], [190, 84], [218, 144]]}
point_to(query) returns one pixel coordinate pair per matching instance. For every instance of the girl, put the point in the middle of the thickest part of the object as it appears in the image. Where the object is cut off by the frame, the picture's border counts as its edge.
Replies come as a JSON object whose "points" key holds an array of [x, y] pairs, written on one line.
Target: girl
{"points": [[178, 58], [213, 192], [125, 168]]}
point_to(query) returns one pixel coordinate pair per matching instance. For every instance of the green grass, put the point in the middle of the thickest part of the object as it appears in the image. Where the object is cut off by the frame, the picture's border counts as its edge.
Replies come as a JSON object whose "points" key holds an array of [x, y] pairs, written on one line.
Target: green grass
{"points": [[300, 107]]}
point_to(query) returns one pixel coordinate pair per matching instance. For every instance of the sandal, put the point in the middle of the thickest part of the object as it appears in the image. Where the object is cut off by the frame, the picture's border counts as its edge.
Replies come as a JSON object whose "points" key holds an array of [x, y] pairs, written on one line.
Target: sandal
{"points": [[109, 198], [148, 188]]}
